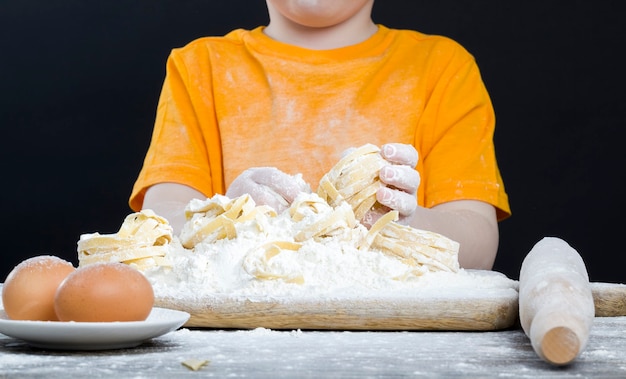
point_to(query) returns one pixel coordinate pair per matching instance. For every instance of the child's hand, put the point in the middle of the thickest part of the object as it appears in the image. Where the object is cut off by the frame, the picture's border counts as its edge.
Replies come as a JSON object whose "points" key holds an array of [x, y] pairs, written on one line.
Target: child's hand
{"points": [[268, 186], [402, 181]]}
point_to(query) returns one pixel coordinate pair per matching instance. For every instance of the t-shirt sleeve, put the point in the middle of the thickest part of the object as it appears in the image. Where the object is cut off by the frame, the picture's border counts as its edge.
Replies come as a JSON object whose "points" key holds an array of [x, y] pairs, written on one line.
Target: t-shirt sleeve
{"points": [[178, 150], [459, 154]]}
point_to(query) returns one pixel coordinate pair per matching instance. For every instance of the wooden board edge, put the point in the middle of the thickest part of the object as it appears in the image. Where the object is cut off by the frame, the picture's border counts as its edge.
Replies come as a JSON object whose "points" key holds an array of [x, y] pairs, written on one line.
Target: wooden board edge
{"points": [[472, 313], [609, 299]]}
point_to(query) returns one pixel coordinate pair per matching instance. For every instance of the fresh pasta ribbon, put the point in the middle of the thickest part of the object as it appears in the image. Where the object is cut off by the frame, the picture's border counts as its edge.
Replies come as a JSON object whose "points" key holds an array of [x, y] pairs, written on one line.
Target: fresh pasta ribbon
{"points": [[142, 241], [422, 249], [354, 179], [260, 262], [329, 221], [217, 218]]}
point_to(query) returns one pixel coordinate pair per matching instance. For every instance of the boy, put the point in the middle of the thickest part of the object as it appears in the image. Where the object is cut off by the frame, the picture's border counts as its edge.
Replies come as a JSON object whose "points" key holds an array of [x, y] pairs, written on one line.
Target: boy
{"points": [[241, 113]]}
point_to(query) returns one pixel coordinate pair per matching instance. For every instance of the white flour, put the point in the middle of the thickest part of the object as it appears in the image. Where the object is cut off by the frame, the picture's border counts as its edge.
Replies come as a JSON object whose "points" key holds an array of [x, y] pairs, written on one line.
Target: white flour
{"points": [[329, 266]]}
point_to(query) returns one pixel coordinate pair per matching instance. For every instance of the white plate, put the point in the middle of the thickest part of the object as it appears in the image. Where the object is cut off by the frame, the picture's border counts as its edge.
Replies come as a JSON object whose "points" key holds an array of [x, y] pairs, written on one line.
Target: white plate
{"points": [[93, 335]]}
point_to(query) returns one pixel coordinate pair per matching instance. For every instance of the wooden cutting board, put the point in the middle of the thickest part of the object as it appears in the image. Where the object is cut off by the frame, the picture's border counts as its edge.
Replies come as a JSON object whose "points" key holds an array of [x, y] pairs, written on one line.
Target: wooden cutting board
{"points": [[435, 309], [395, 312], [423, 309], [609, 299]]}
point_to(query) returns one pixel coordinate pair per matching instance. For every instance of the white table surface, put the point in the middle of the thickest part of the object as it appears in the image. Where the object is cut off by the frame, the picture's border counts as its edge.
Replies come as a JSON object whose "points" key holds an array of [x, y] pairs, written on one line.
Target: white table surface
{"points": [[268, 353]]}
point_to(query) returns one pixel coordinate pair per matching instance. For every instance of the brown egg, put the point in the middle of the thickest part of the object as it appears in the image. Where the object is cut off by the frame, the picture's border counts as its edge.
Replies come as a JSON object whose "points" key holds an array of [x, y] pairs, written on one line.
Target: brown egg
{"points": [[29, 289], [104, 292]]}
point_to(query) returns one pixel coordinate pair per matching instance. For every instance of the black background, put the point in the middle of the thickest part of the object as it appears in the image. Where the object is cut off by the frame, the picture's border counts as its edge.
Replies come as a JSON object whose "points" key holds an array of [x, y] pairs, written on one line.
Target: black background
{"points": [[79, 83]]}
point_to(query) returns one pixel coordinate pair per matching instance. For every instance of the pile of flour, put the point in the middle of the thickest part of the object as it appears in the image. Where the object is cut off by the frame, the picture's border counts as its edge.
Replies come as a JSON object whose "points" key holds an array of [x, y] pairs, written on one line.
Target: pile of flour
{"points": [[327, 267]]}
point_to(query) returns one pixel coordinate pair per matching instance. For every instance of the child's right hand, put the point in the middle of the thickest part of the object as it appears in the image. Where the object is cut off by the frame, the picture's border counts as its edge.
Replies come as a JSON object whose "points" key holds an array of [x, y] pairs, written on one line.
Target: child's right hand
{"points": [[268, 186]]}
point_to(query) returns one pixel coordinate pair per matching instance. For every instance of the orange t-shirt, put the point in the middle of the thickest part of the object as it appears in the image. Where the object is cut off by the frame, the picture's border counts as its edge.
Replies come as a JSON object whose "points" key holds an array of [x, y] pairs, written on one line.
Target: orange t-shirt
{"points": [[244, 100]]}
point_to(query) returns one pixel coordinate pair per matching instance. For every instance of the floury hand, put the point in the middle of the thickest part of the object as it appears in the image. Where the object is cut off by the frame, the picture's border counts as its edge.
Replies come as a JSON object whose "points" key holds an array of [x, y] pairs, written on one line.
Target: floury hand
{"points": [[268, 186], [401, 183]]}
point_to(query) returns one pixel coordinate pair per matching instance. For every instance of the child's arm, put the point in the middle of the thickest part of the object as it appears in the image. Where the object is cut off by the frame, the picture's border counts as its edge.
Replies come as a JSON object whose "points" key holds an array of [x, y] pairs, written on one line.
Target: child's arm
{"points": [[471, 223]]}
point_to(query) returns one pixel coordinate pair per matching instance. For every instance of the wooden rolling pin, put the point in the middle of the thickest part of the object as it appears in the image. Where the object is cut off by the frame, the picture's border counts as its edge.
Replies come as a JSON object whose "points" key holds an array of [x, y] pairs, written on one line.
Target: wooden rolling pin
{"points": [[556, 305]]}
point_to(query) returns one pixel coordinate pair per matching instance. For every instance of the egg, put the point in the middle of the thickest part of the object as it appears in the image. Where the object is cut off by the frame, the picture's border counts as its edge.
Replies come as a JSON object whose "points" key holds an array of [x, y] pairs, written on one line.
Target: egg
{"points": [[104, 292], [29, 290]]}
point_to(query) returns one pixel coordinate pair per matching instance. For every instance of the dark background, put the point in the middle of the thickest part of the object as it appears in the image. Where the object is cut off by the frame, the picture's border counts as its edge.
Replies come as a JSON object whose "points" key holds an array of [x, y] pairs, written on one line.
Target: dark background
{"points": [[79, 83]]}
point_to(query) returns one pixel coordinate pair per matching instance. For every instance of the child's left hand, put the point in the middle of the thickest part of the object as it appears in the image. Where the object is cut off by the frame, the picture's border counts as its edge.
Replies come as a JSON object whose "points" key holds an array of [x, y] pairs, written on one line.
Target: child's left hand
{"points": [[402, 181]]}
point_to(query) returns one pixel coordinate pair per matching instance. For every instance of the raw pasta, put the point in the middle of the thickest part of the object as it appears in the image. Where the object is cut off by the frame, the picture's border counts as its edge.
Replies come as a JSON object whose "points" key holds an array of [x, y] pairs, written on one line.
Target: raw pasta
{"points": [[344, 195], [142, 241]]}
